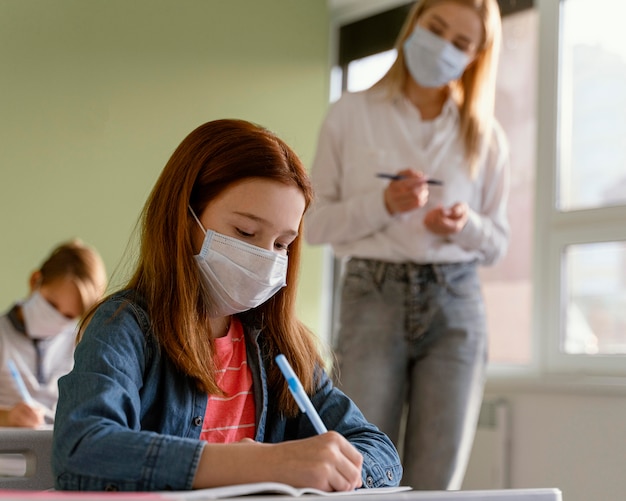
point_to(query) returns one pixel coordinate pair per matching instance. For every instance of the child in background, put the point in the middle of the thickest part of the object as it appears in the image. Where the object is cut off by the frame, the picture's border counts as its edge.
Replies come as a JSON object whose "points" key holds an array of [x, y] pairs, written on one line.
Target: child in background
{"points": [[37, 335]]}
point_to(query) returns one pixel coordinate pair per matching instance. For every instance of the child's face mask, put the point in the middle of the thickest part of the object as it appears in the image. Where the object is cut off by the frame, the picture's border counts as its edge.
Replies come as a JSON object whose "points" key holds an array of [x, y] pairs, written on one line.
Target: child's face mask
{"points": [[239, 276], [42, 320]]}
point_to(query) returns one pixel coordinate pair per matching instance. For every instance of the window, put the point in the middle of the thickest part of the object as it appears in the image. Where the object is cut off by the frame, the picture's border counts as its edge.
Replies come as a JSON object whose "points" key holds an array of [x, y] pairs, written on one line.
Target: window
{"points": [[594, 296], [581, 257], [363, 73], [592, 170]]}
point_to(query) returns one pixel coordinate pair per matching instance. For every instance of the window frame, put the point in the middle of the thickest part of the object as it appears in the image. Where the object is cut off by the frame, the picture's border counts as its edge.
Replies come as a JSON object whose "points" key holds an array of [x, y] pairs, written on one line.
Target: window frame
{"points": [[561, 228]]}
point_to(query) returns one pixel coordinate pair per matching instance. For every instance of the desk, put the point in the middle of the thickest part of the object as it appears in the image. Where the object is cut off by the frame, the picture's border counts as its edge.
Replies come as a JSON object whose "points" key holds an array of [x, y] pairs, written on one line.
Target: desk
{"points": [[490, 495], [486, 495]]}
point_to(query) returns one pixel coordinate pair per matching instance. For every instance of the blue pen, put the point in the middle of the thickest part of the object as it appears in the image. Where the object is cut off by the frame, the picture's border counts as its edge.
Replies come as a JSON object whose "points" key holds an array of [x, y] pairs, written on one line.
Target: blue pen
{"points": [[19, 382], [21, 387], [398, 177], [300, 396]]}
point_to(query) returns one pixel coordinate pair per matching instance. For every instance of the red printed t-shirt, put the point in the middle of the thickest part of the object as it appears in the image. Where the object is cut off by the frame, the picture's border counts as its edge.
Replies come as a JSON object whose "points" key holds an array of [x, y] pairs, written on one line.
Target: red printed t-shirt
{"points": [[231, 417]]}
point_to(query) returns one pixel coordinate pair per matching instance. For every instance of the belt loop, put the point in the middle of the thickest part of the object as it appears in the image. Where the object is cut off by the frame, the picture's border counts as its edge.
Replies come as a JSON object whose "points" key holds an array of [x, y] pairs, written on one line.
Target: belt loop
{"points": [[438, 273], [379, 272]]}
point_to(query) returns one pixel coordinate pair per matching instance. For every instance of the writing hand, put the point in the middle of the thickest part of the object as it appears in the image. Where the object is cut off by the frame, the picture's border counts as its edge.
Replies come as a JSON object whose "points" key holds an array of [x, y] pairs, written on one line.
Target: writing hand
{"points": [[25, 416], [327, 462], [446, 221], [408, 193]]}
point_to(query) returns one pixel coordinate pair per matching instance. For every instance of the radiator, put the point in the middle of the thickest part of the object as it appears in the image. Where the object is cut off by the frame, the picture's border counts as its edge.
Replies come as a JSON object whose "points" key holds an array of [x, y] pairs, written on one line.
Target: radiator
{"points": [[489, 463]]}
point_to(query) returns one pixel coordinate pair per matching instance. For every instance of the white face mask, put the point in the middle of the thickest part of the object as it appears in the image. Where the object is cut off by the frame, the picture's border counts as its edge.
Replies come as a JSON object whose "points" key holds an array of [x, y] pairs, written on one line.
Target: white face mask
{"points": [[42, 320], [239, 276], [431, 60]]}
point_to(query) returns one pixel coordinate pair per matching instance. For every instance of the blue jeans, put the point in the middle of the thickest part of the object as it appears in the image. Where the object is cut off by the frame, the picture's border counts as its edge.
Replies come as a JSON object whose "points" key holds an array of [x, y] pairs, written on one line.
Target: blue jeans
{"points": [[412, 349]]}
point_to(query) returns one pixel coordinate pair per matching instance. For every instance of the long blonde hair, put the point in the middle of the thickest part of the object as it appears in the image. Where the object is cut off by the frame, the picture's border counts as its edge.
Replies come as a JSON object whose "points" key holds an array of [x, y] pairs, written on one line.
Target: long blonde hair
{"points": [[475, 90], [210, 159]]}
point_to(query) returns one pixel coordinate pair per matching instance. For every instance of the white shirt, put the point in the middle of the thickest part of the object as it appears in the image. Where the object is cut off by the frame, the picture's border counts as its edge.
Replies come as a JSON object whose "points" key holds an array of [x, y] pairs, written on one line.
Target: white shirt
{"points": [[365, 133], [57, 361]]}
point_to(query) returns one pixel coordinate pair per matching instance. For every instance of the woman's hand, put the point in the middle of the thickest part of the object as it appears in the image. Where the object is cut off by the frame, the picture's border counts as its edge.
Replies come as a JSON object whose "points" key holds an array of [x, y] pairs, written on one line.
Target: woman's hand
{"points": [[446, 221], [327, 462], [408, 193]]}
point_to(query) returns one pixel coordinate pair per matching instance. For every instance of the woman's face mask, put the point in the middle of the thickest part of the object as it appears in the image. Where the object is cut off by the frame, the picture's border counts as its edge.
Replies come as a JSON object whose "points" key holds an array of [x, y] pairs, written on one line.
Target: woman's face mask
{"points": [[238, 276], [42, 320], [431, 60]]}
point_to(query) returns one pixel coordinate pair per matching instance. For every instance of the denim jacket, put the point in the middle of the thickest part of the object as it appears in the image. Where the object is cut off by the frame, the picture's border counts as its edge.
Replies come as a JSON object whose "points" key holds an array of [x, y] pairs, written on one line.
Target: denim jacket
{"points": [[128, 419]]}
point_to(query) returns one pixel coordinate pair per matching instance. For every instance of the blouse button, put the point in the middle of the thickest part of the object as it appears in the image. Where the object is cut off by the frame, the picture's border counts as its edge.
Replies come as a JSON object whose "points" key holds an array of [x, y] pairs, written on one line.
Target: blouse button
{"points": [[197, 421], [370, 482], [389, 474]]}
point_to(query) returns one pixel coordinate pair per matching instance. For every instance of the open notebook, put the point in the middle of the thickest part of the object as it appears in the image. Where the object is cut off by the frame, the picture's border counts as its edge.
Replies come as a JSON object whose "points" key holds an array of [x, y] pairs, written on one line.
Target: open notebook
{"points": [[275, 488]]}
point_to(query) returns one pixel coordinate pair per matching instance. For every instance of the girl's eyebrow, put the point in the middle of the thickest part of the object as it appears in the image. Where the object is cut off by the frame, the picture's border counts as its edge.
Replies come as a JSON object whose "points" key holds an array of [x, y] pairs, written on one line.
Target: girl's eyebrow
{"points": [[265, 222]]}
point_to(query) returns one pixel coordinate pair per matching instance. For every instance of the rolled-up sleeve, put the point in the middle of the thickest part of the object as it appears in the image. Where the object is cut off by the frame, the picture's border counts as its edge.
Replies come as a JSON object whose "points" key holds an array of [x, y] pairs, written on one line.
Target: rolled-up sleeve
{"points": [[98, 441]]}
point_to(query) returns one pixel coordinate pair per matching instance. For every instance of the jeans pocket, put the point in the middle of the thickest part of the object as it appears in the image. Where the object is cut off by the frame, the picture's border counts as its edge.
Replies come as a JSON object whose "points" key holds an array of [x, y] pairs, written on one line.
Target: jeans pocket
{"points": [[359, 280], [460, 280]]}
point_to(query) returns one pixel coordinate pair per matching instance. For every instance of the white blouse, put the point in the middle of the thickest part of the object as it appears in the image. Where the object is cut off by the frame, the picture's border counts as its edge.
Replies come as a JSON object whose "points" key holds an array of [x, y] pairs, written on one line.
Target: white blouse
{"points": [[57, 361], [365, 133]]}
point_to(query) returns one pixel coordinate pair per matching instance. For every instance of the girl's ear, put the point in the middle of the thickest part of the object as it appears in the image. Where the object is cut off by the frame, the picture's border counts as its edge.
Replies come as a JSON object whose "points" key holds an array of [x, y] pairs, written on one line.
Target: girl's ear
{"points": [[35, 280]]}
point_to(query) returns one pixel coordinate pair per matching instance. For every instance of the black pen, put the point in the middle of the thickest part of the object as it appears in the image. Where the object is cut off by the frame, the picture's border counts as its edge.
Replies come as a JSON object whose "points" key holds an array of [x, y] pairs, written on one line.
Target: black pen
{"points": [[398, 177]]}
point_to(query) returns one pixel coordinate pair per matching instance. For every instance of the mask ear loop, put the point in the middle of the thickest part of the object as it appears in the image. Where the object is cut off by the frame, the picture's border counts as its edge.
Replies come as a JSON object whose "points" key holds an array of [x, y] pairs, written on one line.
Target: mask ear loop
{"points": [[196, 218]]}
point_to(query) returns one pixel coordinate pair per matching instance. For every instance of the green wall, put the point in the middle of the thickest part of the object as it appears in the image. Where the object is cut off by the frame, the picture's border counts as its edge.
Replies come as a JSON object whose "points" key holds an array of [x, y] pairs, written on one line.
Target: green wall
{"points": [[96, 94]]}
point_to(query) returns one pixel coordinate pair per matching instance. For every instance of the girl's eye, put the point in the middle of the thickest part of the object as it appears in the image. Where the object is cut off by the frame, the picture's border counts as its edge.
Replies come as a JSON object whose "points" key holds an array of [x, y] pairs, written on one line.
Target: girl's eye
{"points": [[244, 233], [281, 247]]}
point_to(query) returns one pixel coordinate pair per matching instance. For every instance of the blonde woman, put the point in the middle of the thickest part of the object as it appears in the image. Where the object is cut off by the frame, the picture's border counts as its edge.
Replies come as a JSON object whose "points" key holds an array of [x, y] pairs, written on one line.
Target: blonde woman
{"points": [[175, 384], [38, 334], [411, 183]]}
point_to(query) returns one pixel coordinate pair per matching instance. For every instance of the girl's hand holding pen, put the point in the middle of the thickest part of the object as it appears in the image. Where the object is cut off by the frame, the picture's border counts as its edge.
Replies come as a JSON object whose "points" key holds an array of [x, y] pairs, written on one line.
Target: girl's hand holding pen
{"points": [[28, 413], [23, 415], [408, 192], [327, 462]]}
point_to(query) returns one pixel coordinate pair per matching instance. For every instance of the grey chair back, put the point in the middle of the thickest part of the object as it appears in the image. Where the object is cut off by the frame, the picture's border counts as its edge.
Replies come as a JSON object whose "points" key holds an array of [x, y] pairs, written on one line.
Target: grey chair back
{"points": [[25, 459]]}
